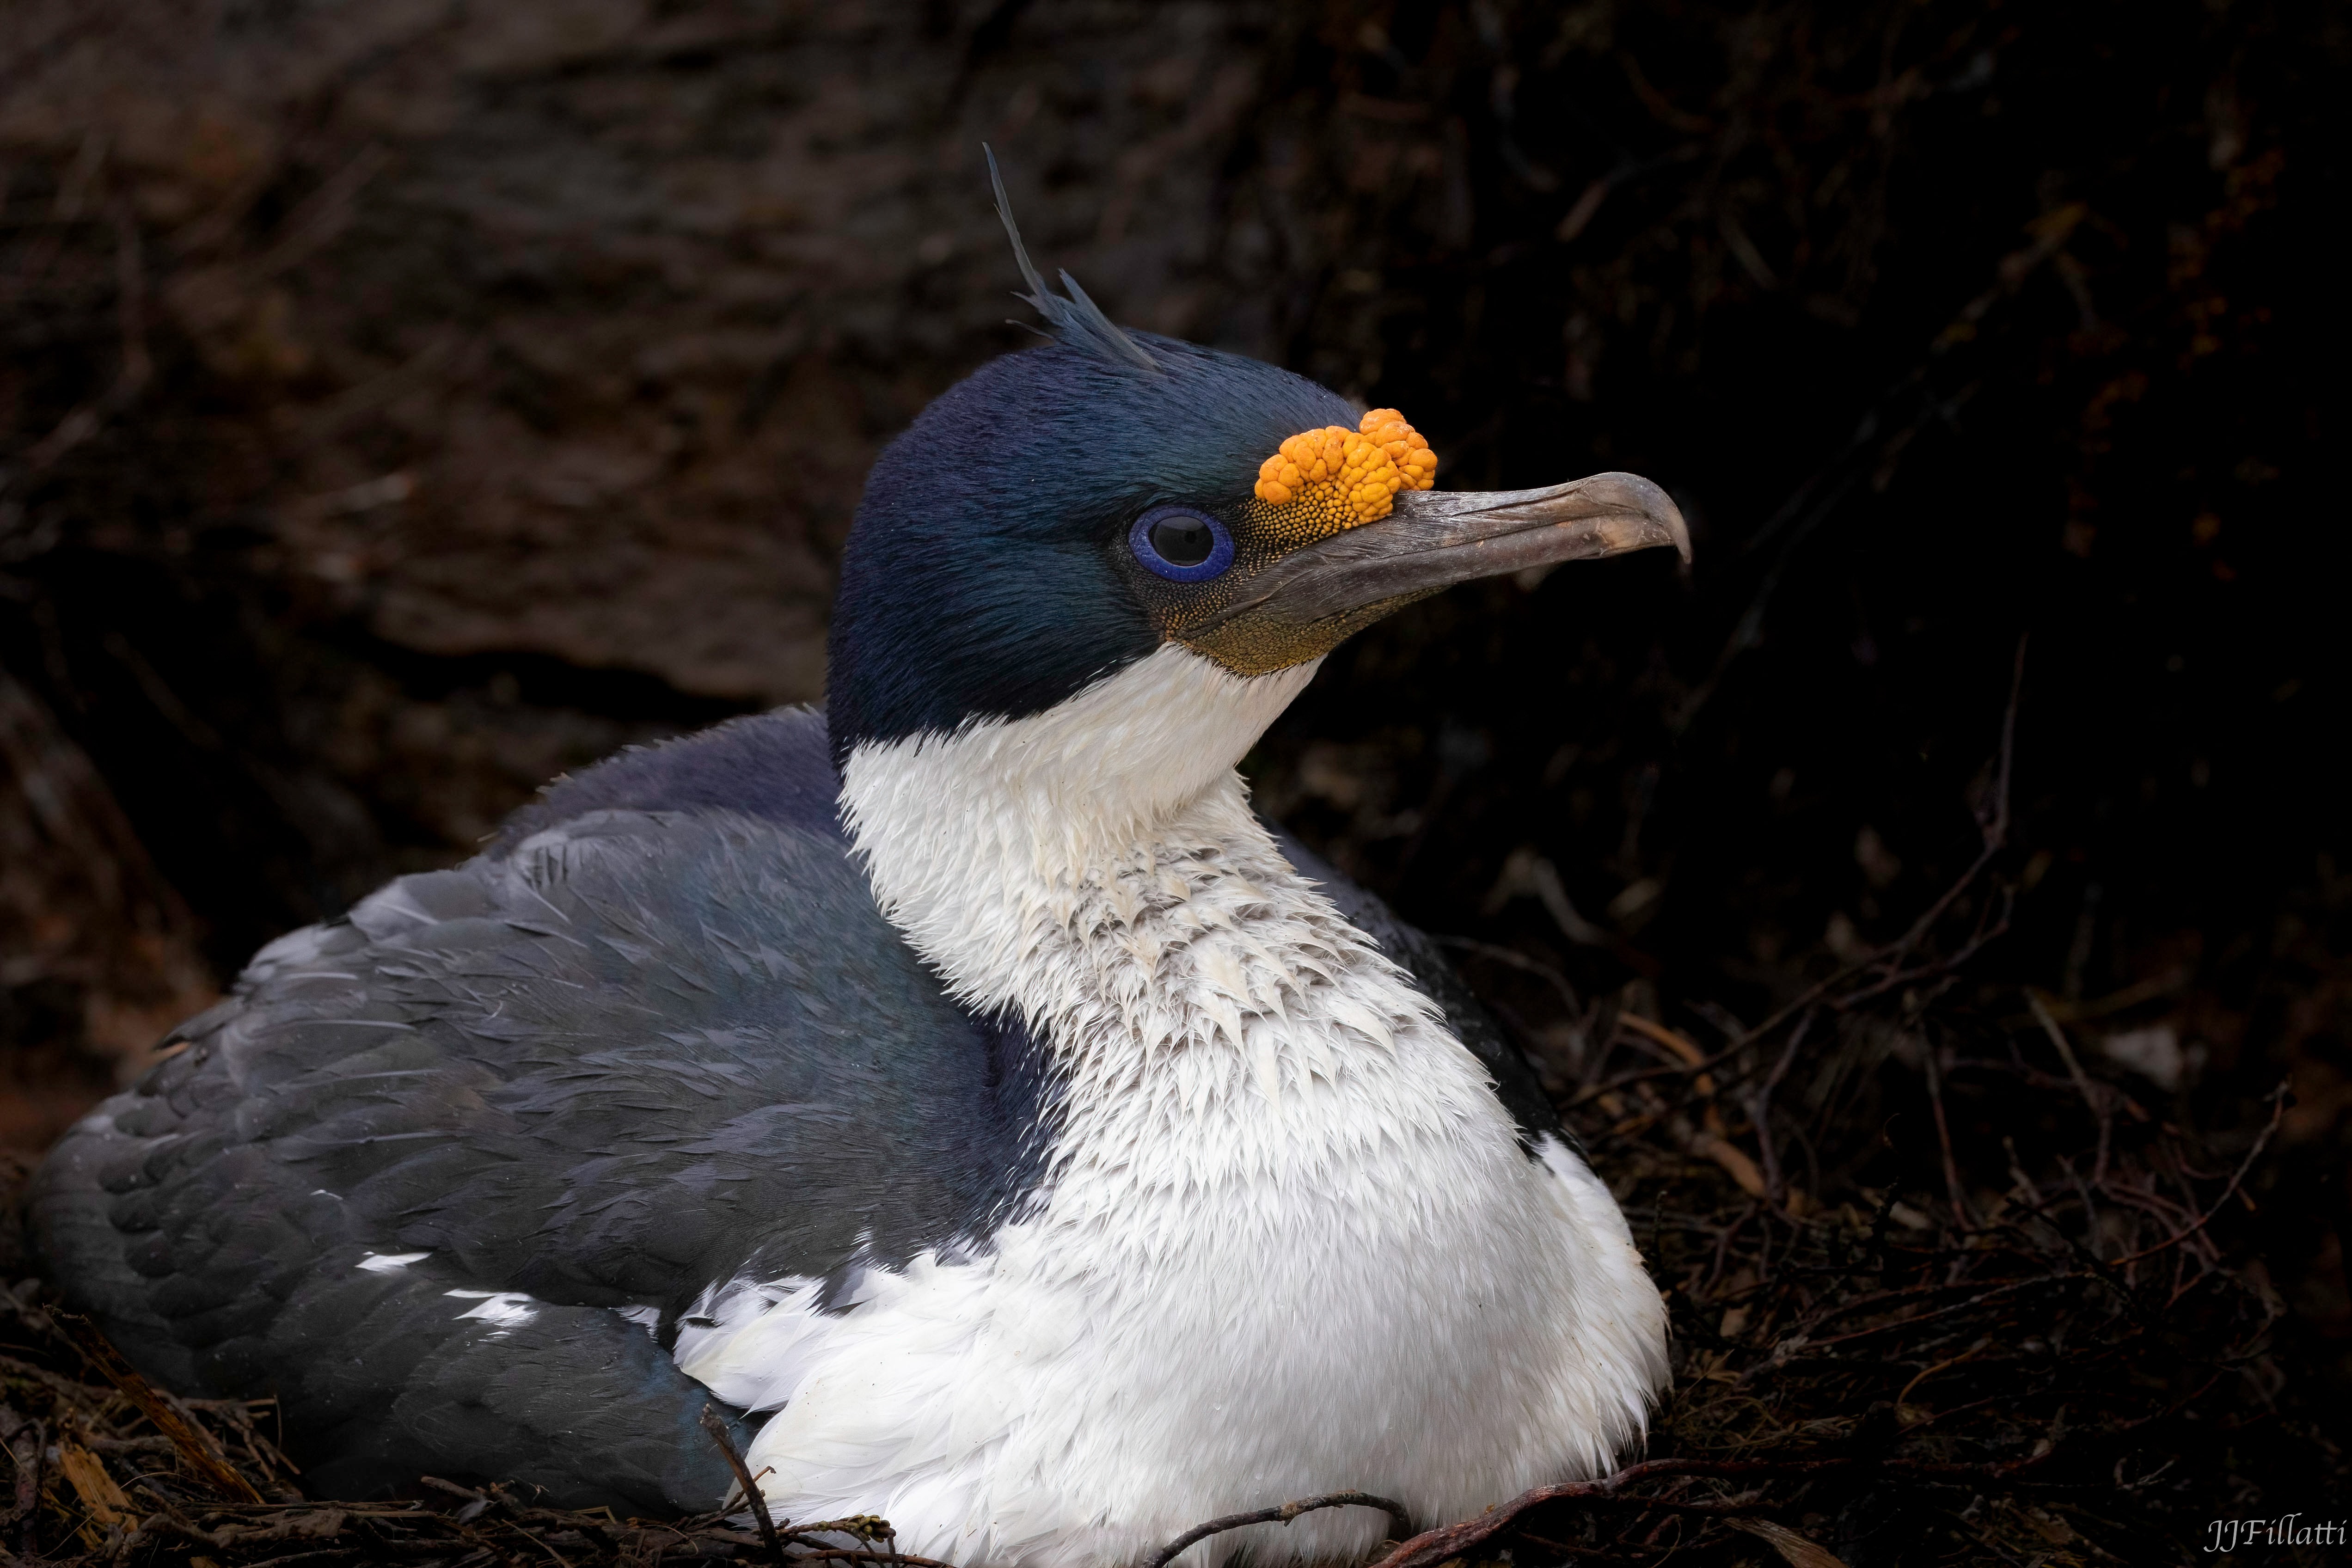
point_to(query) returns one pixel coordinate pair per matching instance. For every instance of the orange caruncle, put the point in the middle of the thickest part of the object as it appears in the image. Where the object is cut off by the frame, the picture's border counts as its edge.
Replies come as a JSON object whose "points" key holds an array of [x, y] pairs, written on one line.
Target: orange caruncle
{"points": [[1350, 472]]}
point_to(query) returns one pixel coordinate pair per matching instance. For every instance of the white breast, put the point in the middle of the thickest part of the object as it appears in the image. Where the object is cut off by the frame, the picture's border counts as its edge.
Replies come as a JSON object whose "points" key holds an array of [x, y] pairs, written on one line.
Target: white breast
{"points": [[1289, 1242]]}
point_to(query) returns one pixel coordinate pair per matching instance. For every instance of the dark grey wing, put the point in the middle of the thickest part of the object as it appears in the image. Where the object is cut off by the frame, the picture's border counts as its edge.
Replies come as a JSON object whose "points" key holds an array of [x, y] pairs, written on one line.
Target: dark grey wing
{"points": [[778, 767], [411, 1176], [1515, 1081]]}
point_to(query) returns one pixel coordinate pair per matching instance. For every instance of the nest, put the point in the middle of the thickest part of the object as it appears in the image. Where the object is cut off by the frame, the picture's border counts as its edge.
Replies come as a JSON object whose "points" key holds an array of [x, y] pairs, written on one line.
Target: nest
{"points": [[2041, 1355]]}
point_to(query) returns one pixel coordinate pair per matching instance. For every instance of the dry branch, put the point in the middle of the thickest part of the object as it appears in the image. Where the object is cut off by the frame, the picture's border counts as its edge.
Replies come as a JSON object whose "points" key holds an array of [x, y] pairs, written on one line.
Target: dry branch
{"points": [[1281, 1513]]}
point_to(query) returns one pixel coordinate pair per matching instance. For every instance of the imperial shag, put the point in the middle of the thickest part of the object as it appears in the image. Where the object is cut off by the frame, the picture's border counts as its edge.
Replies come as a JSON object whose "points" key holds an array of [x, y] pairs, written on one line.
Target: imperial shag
{"points": [[959, 1085]]}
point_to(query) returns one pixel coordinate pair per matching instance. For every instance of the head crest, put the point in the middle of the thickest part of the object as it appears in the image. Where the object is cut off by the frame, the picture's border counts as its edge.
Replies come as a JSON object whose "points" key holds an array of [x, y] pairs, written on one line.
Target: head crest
{"points": [[1077, 321]]}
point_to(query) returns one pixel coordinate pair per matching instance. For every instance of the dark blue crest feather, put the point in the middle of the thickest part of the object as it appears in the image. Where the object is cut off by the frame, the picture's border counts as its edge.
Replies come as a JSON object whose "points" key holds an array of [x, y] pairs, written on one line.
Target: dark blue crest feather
{"points": [[1077, 319]]}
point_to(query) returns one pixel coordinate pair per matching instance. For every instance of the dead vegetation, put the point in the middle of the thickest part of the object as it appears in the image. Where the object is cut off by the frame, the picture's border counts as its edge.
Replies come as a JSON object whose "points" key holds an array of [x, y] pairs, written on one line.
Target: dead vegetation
{"points": [[2015, 1370]]}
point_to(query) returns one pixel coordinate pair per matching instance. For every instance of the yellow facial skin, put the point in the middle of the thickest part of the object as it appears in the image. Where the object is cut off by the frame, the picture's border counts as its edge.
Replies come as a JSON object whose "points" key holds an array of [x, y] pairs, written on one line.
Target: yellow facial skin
{"points": [[1347, 476], [1320, 483]]}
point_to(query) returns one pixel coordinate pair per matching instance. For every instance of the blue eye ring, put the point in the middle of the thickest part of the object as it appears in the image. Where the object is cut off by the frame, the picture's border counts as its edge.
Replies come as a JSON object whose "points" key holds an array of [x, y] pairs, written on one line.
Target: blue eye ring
{"points": [[1221, 546]]}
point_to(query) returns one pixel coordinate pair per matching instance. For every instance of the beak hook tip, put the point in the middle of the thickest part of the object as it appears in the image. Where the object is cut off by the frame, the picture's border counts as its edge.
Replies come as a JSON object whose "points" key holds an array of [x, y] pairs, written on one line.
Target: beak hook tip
{"points": [[1659, 508]]}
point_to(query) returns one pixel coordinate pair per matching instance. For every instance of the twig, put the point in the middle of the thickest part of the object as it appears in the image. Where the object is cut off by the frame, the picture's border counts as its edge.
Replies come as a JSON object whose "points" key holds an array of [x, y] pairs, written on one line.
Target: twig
{"points": [[1517, 960], [2091, 1095], [1992, 1293], [1989, 928], [2262, 1142], [561, 1560], [1456, 1539], [193, 1443], [1723, 1246], [1992, 821], [1953, 1189], [1684, 1050], [1759, 1110], [1553, 895], [1282, 1513], [714, 1424], [1944, 1365], [1641, 1075]]}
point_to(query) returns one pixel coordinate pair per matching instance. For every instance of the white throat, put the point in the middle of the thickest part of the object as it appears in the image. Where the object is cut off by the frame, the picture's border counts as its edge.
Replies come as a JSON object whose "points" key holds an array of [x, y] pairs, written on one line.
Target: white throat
{"points": [[1275, 1167], [1096, 868], [984, 845]]}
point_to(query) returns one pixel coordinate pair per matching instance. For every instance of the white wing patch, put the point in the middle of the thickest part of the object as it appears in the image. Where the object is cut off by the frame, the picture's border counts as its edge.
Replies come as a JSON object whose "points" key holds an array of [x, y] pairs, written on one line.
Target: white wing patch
{"points": [[500, 1309], [389, 1262]]}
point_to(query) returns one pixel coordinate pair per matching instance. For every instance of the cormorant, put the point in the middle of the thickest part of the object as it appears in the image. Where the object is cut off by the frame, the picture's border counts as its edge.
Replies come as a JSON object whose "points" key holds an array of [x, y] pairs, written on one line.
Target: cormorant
{"points": [[960, 1085]]}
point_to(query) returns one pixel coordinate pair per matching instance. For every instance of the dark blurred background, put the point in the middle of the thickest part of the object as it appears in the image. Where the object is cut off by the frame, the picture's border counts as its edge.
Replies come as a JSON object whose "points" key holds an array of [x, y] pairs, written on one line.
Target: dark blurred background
{"points": [[404, 403]]}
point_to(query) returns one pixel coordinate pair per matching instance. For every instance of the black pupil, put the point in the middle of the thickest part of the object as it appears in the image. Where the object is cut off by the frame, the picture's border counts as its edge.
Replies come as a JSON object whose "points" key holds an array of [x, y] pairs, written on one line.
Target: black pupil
{"points": [[1182, 542]]}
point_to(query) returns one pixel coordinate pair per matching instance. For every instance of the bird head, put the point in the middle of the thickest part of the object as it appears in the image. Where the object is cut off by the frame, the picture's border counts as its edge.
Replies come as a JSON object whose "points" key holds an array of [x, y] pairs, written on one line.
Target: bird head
{"points": [[1117, 511]]}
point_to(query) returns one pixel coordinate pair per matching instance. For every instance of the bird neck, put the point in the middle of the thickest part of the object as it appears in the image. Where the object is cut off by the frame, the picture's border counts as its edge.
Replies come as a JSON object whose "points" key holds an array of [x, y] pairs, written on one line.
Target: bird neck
{"points": [[984, 843], [1096, 870]]}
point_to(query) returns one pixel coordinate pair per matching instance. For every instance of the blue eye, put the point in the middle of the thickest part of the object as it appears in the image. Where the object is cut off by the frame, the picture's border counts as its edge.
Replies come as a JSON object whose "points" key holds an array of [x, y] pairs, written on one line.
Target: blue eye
{"points": [[1180, 544]]}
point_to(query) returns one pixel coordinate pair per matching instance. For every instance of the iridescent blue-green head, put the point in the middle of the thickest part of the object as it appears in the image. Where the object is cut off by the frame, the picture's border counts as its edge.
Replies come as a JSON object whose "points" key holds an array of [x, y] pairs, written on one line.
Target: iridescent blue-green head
{"points": [[1072, 508]]}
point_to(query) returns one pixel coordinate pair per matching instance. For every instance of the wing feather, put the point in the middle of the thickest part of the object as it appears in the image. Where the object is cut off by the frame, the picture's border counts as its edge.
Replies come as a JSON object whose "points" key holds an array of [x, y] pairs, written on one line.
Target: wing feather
{"points": [[635, 1055]]}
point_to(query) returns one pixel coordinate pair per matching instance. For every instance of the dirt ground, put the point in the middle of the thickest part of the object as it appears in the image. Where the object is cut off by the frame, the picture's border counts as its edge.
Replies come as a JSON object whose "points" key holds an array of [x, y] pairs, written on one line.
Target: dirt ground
{"points": [[1918, 903]]}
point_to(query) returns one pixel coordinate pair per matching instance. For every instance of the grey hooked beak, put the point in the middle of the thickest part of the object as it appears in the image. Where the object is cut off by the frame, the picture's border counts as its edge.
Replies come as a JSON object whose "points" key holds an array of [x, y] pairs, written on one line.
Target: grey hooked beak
{"points": [[1436, 538], [1318, 594]]}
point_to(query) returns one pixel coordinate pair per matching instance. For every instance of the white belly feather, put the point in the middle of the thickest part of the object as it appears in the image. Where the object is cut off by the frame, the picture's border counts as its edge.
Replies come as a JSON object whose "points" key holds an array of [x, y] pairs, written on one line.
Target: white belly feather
{"points": [[1287, 1242]]}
